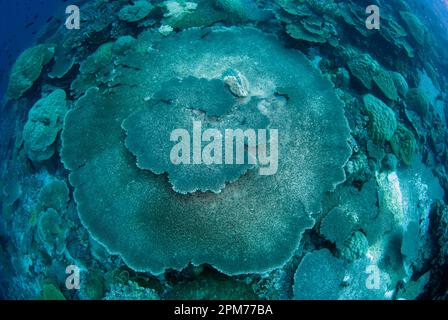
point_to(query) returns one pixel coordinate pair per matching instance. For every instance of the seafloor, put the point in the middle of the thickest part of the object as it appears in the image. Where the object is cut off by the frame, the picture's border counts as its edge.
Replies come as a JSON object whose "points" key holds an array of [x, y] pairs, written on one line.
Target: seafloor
{"points": [[357, 208]]}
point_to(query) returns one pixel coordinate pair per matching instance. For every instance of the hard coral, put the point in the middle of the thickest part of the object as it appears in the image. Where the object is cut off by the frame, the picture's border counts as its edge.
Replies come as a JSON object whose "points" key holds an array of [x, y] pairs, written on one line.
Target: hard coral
{"points": [[137, 11], [45, 120], [27, 69], [382, 120], [153, 227]]}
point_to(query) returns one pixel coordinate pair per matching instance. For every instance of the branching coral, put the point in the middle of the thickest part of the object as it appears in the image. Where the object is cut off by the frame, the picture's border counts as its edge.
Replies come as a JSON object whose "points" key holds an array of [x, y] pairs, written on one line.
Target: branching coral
{"points": [[45, 120], [136, 213], [27, 69]]}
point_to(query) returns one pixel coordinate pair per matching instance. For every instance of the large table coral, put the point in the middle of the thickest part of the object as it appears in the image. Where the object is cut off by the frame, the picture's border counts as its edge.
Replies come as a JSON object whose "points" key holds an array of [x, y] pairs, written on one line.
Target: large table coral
{"points": [[136, 213]]}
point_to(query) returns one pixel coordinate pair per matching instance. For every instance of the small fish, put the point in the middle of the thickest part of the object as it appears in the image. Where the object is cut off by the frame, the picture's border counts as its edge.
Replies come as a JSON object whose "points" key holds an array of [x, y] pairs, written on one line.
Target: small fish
{"points": [[49, 19], [29, 24]]}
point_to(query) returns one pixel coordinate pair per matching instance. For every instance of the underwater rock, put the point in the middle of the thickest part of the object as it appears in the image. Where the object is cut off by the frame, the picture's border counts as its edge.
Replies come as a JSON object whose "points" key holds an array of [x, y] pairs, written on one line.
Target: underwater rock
{"points": [[136, 11], [205, 227], [27, 69], [404, 145], [45, 120], [382, 120]]}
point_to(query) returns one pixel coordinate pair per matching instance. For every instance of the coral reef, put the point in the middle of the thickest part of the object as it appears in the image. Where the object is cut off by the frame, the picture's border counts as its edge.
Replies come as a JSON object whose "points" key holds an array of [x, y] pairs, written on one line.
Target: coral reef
{"points": [[45, 121], [27, 69], [404, 145], [149, 191], [382, 120], [356, 208], [136, 11]]}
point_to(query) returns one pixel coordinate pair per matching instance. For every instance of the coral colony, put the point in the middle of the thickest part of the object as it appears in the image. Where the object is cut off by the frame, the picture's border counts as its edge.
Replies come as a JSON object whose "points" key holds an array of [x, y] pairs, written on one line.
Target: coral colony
{"points": [[227, 149]]}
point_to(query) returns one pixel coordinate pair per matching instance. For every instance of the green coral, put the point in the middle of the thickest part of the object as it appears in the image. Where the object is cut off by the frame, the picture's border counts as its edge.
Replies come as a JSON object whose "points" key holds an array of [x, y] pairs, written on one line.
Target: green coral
{"points": [[45, 120], [382, 120], [137, 11], [355, 247], [404, 144], [27, 69], [154, 228]]}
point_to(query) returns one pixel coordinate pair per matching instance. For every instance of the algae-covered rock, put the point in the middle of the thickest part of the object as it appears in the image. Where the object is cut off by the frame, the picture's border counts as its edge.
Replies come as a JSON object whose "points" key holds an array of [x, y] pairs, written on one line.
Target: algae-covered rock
{"points": [[382, 120], [153, 227], [27, 69], [404, 144], [45, 120], [137, 11]]}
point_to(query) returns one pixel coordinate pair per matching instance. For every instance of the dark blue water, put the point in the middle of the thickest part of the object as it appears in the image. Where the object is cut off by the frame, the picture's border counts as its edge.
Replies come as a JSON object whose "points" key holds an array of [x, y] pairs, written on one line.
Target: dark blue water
{"points": [[20, 24]]}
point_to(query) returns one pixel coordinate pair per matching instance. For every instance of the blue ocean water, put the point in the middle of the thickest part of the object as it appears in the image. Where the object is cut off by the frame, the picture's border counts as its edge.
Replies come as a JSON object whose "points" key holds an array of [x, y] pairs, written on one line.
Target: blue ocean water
{"points": [[397, 162]]}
